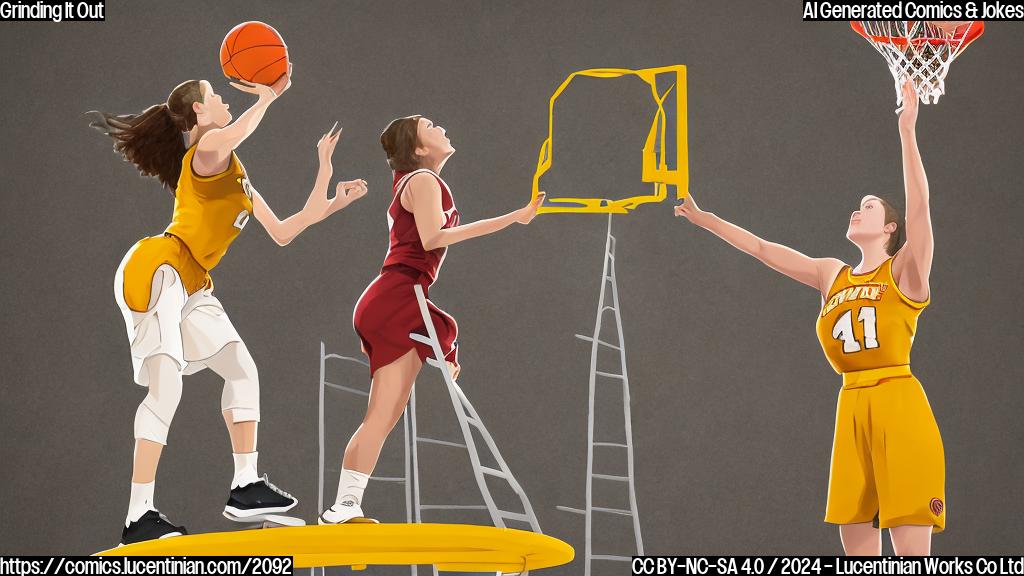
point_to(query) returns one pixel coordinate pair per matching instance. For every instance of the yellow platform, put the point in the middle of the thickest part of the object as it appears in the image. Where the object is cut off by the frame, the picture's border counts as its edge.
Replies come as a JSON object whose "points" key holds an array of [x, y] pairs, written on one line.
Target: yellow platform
{"points": [[450, 547]]}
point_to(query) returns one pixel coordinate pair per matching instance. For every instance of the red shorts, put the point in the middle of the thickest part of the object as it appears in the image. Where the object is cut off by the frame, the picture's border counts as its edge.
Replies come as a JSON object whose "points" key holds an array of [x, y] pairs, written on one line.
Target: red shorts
{"points": [[387, 312]]}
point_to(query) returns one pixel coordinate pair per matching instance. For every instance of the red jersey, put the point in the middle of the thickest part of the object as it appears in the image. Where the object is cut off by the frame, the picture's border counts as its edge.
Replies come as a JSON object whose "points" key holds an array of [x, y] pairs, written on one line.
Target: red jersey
{"points": [[405, 246]]}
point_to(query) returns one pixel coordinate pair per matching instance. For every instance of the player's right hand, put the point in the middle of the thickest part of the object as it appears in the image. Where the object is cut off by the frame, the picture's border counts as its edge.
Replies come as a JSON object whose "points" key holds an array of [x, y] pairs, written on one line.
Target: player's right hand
{"points": [[325, 146], [262, 90], [284, 82]]}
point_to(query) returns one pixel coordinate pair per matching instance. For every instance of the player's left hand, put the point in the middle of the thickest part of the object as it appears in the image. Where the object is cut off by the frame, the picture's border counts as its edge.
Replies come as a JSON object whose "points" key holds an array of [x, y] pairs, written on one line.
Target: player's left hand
{"points": [[689, 210], [348, 192], [527, 213], [911, 103]]}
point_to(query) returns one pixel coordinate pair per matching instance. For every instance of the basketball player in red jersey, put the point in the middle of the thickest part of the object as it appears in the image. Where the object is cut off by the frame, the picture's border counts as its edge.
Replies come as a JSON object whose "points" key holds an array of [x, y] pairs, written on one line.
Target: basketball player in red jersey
{"points": [[887, 456], [422, 222]]}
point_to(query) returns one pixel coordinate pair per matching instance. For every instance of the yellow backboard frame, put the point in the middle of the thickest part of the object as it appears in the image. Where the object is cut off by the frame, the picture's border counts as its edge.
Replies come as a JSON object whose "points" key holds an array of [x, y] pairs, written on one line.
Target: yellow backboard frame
{"points": [[655, 166]]}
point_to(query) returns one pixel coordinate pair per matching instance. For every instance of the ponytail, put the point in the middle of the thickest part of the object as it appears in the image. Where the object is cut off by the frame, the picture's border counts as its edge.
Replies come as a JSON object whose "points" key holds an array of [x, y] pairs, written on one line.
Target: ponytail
{"points": [[153, 140]]}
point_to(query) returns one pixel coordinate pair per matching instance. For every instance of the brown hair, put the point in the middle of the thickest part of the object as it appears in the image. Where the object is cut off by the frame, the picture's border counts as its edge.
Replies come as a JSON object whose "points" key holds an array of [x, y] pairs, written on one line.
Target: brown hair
{"points": [[399, 141], [152, 140], [896, 238]]}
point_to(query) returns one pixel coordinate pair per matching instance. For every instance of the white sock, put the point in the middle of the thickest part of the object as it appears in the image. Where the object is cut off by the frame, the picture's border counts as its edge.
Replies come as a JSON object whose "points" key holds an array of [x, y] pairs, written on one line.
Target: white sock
{"points": [[351, 485], [245, 469], [140, 501]]}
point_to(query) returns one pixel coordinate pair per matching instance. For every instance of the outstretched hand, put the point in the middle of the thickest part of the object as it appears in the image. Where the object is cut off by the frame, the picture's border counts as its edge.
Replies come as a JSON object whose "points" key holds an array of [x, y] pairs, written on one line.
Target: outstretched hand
{"points": [[264, 91], [325, 146], [911, 103], [689, 210], [527, 213], [347, 192]]}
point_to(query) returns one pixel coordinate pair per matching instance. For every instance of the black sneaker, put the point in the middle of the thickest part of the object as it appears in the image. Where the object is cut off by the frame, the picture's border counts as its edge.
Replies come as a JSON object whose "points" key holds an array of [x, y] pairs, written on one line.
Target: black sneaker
{"points": [[259, 498], [150, 526]]}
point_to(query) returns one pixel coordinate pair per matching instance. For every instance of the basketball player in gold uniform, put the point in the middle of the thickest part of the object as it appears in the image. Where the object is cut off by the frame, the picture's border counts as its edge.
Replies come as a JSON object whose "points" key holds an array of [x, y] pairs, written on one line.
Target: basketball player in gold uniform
{"points": [[887, 458], [164, 290]]}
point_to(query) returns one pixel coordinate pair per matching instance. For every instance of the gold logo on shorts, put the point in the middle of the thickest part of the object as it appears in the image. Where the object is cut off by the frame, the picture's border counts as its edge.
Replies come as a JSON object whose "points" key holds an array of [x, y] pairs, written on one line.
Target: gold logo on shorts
{"points": [[936, 506]]}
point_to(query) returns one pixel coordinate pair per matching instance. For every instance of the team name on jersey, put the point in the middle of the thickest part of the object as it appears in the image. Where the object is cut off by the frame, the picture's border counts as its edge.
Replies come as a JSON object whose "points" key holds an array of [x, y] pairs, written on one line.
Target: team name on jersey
{"points": [[870, 291]]}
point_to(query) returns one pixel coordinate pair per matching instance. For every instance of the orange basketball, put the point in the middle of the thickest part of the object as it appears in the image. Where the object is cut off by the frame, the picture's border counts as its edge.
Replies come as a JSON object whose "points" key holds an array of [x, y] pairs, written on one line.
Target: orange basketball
{"points": [[255, 52]]}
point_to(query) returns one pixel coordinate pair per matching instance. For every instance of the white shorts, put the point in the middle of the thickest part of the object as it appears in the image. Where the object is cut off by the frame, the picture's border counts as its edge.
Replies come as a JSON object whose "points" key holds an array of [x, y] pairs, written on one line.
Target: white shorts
{"points": [[189, 329]]}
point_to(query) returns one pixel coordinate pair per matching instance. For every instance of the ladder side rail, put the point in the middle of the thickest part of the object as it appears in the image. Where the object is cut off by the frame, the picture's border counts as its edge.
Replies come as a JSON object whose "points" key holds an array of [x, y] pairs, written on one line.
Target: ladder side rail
{"points": [[627, 418], [502, 465], [457, 405]]}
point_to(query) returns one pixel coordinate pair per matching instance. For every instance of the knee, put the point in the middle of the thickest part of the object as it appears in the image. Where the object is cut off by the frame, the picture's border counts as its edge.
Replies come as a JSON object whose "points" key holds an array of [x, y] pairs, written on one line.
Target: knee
{"points": [[241, 397], [149, 426], [911, 540], [154, 415], [240, 365], [381, 422]]}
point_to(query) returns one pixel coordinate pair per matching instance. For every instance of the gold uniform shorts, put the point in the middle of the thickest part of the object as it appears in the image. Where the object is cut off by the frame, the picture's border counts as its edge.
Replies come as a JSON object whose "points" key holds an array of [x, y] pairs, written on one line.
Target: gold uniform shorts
{"points": [[887, 457]]}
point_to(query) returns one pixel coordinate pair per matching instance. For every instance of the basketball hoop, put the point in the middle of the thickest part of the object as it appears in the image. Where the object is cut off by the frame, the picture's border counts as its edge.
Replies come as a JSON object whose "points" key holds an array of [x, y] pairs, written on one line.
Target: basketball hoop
{"points": [[919, 50]]}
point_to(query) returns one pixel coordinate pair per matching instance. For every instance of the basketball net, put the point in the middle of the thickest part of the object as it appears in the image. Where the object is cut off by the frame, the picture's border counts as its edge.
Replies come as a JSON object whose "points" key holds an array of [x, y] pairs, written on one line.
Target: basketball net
{"points": [[919, 50]]}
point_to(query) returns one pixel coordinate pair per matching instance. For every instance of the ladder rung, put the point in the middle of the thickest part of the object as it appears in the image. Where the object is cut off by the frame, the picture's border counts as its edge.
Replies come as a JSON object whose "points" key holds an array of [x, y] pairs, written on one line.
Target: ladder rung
{"points": [[492, 472], [614, 444], [514, 516], [479, 425], [613, 511], [441, 442], [612, 477], [609, 375], [599, 341], [609, 278], [420, 338], [433, 362], [607, 308], [346, 389], [573, 510], [613, 558], [452, 507], [349, 358]]}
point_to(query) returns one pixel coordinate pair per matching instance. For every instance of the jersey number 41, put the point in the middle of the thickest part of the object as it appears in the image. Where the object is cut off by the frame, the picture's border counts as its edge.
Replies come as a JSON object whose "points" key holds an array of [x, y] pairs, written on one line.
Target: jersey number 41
{"points": [[843, 330]]}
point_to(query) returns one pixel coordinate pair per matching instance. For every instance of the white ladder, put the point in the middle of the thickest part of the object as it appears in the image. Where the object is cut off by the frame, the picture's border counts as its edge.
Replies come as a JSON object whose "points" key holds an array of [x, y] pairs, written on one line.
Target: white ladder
{"points": [[407, 416], [469, 419], [626, 444]]}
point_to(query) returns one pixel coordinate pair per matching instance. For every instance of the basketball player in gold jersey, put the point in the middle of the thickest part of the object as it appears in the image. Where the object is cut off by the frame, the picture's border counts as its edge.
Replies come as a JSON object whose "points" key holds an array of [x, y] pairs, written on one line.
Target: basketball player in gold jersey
{"points": [[164, 290], [887, 458]]}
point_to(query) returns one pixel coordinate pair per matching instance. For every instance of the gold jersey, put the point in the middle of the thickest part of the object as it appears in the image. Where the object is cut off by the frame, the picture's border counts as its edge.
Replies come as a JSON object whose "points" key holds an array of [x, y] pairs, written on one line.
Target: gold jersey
{"points": [[867, 323], [209, 213]]}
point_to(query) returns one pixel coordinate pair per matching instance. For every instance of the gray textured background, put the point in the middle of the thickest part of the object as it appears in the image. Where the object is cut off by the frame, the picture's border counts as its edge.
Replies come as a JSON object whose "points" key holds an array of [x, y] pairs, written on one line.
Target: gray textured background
{"points": [[733, 404]]}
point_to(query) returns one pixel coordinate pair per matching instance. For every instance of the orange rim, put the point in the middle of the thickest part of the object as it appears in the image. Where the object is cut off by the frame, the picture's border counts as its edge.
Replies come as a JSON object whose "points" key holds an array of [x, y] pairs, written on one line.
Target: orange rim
{"points": [[976, 29]]}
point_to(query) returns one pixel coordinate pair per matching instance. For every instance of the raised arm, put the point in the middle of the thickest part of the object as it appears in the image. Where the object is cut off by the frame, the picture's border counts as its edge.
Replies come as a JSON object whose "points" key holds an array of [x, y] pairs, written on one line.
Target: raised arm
{"points": [[422, 197], [913, 264], [216, 145], [817, 273], [318, 205]]}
